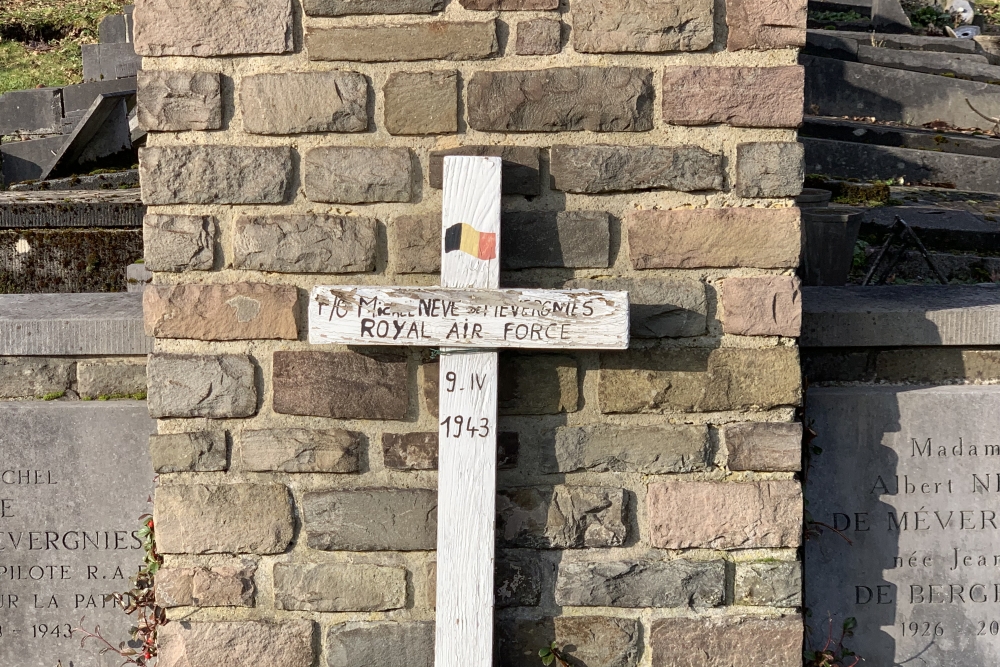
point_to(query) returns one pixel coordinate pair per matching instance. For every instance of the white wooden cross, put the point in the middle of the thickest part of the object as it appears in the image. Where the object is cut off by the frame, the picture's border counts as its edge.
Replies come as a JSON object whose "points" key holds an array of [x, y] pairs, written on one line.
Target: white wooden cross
{"points": [[468, 317]]}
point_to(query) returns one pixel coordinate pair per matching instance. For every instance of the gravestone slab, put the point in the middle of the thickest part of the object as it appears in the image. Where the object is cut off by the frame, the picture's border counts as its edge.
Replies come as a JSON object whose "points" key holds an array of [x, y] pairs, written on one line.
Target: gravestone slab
{"points": [[75, 479], [911, 477]]}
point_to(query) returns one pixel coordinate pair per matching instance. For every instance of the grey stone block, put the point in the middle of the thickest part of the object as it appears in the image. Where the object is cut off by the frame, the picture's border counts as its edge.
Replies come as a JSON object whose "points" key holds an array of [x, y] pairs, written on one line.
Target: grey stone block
{"points": [[774, 584], [591, 641], [175, 101], [658, 307], [562, 517], [347, 7], [215, 387], [229, 585], [295, 103], [72, 324], [764, 446], [417, 243], [571, 239], [298, 450], [387, 644], [520, 578], [29, 160], [652, 450], [959, 65], [358, 175], [81, 96], [906, 42], [203, 451], [339, 587], [888, 16], [305, 244], [117, 180], [35, 377], [138, 277], [839, 129], [102, 133], [597, 169], [113, 29], [434, 93], [672, 583], [34, 111], [769, 169], [520, 166], [215, 174], [179, 242], [371, 520], [104, 62], [110, 378], [113, 208]]}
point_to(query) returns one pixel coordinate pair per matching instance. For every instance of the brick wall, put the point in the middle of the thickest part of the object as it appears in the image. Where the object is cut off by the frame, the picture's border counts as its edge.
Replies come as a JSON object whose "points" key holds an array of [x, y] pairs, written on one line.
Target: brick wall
{"points": [[648, 511]]}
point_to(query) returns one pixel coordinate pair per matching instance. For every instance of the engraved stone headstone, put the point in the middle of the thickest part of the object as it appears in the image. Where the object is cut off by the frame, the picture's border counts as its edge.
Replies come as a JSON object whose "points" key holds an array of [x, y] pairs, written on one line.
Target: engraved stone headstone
{"points": [[74, 479], [906, 496]]}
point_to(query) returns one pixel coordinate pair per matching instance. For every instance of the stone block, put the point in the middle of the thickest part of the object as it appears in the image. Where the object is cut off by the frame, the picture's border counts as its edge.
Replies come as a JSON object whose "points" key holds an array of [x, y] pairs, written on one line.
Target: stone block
{"points": [[770, 169], [410, 451], [217, 586], [520, 578], [437, 40], [30, 160], [31, 377], [570, 239], [342, 385], [764, 446], [421, 102], [539, 37], [658, 307], [209, 28], [203, 451], [230, 518], [589, 640], [33, 111], [138, 277], [388, 644], [737, 96], [651, 450], [298, 450], [358, 175], [300, 102], [928, 365], [638, 584], [773, 24], [714, 642], [371, 520], [510, 5], [348, 7], [762, 306], [339, 587], [305, 243], [212, 386], [48, 210], [107, 62], [725, 515], [642, 26], [562, 517], [417, 240], [598, 99], [520, 167], [179, 242], [81, 96], [112, 29], [215, 174], [110, 378], [598, 169], [772, 584], [235, 643], [236, 311], [714, 237], [539, 384]]}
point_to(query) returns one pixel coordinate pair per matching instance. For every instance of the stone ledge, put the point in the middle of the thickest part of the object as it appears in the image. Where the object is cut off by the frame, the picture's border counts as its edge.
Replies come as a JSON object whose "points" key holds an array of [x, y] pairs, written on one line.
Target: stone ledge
{"points": [[31, 210], [71, 324], [891, 316]]}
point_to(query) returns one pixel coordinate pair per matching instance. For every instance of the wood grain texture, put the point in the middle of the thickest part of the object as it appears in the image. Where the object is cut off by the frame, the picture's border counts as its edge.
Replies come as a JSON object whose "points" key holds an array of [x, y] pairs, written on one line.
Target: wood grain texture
{"points": [[472, 196]]}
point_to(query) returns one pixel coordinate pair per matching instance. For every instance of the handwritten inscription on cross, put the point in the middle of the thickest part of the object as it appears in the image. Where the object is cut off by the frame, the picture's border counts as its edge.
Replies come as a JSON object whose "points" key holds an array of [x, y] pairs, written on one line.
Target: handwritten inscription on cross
{"points": [[469, 318]]}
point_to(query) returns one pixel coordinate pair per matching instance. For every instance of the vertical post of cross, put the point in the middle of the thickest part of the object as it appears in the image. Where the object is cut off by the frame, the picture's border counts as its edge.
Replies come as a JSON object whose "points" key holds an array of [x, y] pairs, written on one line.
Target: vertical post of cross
{"points": [[470, 258]]}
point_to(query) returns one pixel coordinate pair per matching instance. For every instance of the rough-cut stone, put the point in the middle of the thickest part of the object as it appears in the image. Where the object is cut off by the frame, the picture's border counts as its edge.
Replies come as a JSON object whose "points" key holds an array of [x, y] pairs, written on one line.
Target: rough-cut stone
{"points": [[652, 450], [510, 5], [179, 242], [738, 96], [417, 243], [358, 175], [538, 384], [762, 306], [29, 377], [213, 386], [725, 515], [597, 168], [642, 26], [520, 578], [218, 586], [658, 307], [230, 518], [562, 517], [387, 644], [770, 169], [298, 450], [725, 641], [348, 7], [671, 583], [410, 451], [96, 379], [715, 237], [699, 380], [305, 243], [592, 641], [203, 451], [765, 24], [438, 40], [764, 446], [773, 584], [570, 239], [371, 520], [421, 102], [298, 102], [342, 385], [539, 37], [215, 174], [234, 644], [339, 587], [174, 101], [235, 311], [520, 167], [212, 27], [599, 99]]}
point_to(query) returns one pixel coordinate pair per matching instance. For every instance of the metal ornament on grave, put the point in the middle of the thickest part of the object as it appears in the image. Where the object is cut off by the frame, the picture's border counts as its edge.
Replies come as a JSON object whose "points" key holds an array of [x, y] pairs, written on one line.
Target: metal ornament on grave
{"points": [[469, 317]]}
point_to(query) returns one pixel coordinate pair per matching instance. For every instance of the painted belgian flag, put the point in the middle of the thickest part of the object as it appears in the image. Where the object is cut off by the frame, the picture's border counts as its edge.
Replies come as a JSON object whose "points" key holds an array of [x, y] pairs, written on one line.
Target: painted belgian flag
{"points": [[470, 240]]}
